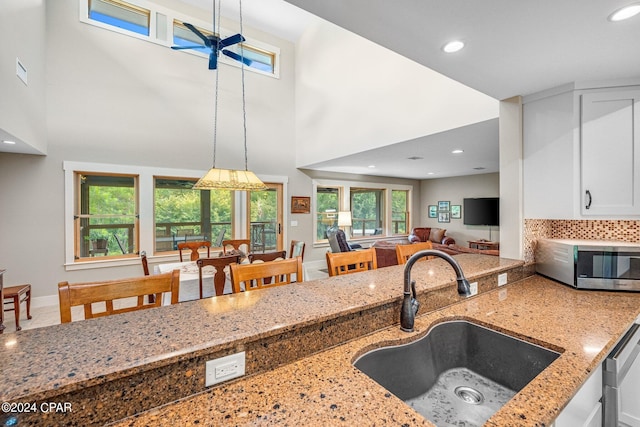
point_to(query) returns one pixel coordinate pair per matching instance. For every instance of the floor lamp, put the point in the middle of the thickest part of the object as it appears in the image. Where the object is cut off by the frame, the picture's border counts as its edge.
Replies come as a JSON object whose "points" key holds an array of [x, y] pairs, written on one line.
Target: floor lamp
{"points": [[344, 220]]}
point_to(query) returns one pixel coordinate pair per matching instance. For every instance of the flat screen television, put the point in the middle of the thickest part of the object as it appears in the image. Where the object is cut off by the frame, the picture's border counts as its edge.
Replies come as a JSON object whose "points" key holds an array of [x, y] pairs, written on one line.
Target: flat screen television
{"points": [[482, 211]]}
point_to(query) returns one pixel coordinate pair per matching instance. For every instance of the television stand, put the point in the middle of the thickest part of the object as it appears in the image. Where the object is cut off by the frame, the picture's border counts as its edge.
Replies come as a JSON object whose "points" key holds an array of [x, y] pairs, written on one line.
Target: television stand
{"points": [[484, 245]]}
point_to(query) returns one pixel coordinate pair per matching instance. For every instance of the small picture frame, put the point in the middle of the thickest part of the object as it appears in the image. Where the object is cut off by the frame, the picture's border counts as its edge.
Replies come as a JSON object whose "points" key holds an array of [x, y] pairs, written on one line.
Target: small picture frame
{"points": [[433, 211], [443, 217], [443, 206], [300, 205], [456, 211]]}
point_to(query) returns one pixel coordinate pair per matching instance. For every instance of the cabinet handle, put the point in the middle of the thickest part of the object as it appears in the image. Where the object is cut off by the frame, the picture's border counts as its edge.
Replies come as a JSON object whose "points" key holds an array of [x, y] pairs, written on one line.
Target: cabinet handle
{"points": [[588, 194]]}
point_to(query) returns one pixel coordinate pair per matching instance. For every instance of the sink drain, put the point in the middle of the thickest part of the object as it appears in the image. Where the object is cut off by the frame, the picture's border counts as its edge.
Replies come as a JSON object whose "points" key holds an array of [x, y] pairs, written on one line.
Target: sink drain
{"points": [[469, 395]]}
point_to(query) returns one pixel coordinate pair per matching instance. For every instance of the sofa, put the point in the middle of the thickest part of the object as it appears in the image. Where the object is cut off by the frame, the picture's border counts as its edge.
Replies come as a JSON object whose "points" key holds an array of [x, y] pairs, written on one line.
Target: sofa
{"points": [[435, 235]]}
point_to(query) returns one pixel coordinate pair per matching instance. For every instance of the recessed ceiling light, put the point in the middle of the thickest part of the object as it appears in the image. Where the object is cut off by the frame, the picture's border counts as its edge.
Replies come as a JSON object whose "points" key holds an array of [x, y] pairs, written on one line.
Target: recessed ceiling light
{"points": [[625, 12], [457, 151], [453, 46], [9, 142], [430, 173], [371, 166]]}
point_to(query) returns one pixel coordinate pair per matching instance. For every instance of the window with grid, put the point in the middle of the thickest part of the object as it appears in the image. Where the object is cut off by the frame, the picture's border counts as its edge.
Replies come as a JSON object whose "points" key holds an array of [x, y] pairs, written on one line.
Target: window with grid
{"points": [[106, 215], [399, 211], [182, 214], [367, 211], [327, 207]]}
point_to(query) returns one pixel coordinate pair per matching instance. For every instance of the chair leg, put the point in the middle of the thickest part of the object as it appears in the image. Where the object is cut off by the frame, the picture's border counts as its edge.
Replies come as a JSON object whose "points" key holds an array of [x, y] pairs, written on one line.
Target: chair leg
{"points": [[16, 310], [29, 303]]}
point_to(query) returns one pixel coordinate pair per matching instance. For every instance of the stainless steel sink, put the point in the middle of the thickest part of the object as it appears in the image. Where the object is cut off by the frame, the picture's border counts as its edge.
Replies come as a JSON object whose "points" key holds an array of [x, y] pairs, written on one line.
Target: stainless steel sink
{"points": [[459, 373]]}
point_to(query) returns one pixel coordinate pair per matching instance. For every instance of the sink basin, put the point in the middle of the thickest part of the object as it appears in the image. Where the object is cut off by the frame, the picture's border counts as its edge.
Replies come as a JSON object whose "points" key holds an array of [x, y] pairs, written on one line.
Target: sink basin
{"points": [[459, 373]]}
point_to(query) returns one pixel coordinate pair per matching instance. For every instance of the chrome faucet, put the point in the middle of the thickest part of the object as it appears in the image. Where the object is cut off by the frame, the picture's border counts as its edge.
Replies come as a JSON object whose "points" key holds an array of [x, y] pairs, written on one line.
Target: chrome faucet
{"points": [[410, 304]]}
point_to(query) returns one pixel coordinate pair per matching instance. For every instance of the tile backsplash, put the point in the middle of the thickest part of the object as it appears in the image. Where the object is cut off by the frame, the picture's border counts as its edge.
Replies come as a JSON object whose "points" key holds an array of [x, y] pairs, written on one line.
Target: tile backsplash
{"points": [[615, 229]]}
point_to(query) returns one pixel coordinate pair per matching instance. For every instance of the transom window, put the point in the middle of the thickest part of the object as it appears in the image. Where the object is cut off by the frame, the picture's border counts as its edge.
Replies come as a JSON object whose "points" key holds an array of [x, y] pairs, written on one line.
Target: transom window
{"points": [[106, 215], [148, 21]]}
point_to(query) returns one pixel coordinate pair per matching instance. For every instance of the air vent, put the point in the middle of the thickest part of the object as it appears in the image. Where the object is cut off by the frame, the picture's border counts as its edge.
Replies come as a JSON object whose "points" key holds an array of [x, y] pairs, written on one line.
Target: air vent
{"points": [[415, 158], [479, 168]]}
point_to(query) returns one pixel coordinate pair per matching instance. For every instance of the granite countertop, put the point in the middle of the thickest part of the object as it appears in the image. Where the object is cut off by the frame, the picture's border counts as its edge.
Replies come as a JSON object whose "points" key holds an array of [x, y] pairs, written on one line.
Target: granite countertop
{"points": [[325, 389], [46, 362]]}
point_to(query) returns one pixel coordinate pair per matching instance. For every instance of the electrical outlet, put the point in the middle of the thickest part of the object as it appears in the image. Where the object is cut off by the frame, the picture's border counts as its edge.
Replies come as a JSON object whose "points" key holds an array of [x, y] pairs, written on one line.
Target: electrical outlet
{"points": [[474, 288], [502, 279], [224, 368]]}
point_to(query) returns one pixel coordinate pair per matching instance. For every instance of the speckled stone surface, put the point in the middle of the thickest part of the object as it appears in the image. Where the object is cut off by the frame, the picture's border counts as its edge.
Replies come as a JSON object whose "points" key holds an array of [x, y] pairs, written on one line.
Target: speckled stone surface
{"points": [[116, 366], [325, 389]]}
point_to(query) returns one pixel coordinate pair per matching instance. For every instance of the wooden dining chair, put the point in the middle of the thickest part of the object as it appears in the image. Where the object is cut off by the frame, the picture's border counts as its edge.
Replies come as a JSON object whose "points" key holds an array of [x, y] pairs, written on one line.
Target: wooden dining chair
{"points": [[351, 262], [220, 276], [145, 269], [194, 247], [404, 252], [108, 292], [256, 276], [297, 249], [269, 256], [236, 245]]}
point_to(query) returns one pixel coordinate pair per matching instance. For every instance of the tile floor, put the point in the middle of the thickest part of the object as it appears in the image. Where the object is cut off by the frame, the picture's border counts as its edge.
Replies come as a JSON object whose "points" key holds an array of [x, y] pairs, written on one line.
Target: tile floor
{"points": [[50, 315]]}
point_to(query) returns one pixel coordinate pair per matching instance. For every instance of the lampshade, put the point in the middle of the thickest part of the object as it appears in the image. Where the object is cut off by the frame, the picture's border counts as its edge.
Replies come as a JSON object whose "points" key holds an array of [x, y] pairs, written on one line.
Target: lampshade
{"points": [[228, 179], [344, 219]]}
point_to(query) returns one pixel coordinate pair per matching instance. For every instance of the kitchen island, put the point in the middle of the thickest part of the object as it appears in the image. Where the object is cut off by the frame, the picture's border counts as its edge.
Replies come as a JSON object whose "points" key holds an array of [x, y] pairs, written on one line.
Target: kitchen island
{"points": [[115, 367]]}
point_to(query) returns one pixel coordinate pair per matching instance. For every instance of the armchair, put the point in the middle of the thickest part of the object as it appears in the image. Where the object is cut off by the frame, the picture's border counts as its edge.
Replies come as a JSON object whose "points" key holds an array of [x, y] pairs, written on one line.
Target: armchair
{"points": [[338, 241]]}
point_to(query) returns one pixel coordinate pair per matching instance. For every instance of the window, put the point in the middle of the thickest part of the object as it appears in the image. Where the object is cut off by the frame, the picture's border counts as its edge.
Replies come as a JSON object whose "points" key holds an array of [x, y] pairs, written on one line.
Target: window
{"points": [[120, 14], [399, 211], [151, 22], [182, 214], [327, 207], [106, 215], [367, 211]]}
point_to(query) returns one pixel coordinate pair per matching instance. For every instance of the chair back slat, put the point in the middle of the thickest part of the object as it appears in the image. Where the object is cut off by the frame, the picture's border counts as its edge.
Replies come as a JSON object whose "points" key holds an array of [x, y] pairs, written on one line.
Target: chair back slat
{"points": [[194, 247], [266, 274], [88, 293], [351, 262], [297, 249], [219, 277]]}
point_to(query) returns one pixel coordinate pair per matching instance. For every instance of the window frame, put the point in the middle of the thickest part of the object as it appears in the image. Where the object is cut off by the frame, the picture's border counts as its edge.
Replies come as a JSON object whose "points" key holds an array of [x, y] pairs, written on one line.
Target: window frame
{"points": [[146, 215], [345, 205], [161, 24]]}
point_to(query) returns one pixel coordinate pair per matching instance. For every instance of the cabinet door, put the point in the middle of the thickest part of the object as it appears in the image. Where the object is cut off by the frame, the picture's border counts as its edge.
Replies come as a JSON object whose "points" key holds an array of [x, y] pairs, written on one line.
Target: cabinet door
{"points": [[585, 409], [629, 396], [609, 157]]}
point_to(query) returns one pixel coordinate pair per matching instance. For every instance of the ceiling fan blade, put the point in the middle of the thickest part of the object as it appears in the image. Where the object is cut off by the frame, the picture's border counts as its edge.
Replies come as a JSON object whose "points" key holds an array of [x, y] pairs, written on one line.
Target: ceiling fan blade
{"points": [[207, 41], [213, 61], [237, 57], [199, 46], [237, 38]]}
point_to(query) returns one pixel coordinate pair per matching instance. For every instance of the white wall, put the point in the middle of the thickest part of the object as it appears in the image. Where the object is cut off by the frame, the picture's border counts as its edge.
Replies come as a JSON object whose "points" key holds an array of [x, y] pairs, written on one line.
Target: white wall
{"points": [[22, 106], [116, 99], [353, 95], [455, 190]]}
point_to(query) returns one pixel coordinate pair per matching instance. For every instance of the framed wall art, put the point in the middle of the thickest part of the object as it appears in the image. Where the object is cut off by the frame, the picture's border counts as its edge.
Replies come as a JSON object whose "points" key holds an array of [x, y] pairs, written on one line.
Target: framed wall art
{"points": [[443, 206], [456, 211], [443, 217], [433, 211], [300, 205]]}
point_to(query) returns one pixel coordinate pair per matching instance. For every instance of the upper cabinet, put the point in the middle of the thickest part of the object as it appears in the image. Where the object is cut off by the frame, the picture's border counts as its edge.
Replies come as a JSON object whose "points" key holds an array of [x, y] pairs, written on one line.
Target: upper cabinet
{"points": [[581, 154], [609, 157]]}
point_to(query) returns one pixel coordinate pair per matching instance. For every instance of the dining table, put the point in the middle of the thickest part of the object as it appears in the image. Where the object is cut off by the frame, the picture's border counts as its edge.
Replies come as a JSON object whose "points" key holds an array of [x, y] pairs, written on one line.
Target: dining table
{"points": [[189, 280]]}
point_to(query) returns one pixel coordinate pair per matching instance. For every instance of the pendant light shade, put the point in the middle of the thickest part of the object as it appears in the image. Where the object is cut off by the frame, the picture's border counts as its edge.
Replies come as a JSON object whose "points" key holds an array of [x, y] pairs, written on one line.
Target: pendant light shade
{"points": [[229, 179]]}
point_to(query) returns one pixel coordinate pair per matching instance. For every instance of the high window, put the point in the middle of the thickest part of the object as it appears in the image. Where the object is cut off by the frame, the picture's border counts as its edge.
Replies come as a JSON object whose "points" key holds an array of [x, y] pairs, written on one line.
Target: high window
{"points": [[153, 23], [106, 215], [183, 214]]}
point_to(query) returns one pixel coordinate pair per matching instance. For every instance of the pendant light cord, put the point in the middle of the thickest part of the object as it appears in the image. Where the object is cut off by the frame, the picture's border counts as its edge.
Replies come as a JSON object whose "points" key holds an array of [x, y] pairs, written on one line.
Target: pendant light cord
{"points": [[244, 104]]}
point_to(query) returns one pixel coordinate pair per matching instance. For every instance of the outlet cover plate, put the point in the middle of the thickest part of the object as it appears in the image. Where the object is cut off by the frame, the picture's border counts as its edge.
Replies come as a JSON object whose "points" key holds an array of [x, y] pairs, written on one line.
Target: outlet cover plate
{"points": [[474, 288], [502, 279], [225, 368]]}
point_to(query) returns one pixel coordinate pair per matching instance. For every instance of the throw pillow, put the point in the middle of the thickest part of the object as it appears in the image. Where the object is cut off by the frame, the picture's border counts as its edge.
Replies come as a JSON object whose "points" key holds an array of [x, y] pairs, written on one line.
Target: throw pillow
{"points": [[437, 234]]}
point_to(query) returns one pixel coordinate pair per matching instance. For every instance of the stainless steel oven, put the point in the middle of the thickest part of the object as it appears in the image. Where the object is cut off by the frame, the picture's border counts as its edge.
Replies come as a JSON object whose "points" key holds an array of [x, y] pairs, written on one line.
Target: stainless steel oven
{"points": [[590, 264]]}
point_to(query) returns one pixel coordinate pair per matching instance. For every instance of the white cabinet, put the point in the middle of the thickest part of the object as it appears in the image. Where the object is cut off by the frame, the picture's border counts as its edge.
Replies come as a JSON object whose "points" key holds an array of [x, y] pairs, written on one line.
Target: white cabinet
{"points": [[585, 409], [629, 394], [610, 152]]}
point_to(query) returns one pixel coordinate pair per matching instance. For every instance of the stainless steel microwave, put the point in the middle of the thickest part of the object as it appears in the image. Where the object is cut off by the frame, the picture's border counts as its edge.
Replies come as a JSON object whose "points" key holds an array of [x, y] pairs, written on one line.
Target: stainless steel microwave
{"points": [[590, 264]]}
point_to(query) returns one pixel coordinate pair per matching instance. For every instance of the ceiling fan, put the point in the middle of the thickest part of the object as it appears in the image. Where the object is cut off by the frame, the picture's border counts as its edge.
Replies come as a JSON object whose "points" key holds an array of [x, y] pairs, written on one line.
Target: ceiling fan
{"points": [[217, 45]]}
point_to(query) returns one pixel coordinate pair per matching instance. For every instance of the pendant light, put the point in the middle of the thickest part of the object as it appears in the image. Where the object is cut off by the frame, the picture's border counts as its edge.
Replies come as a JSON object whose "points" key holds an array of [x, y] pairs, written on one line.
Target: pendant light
{"points": [[229, 179]]}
